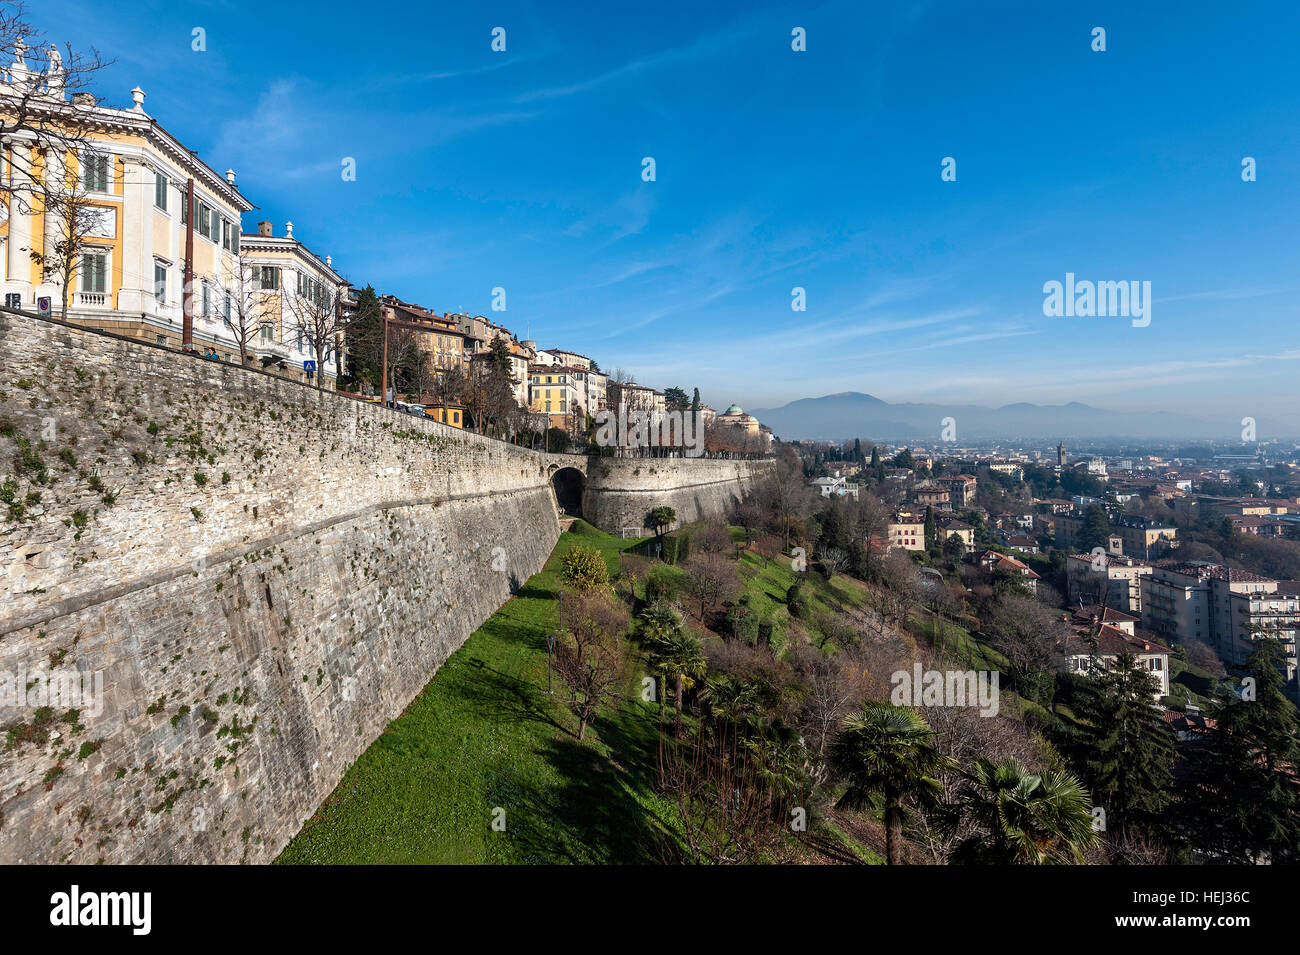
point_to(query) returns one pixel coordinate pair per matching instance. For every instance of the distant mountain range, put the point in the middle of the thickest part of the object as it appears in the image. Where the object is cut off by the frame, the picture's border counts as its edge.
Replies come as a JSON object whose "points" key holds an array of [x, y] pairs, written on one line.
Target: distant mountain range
{"points": [[852, 414]]}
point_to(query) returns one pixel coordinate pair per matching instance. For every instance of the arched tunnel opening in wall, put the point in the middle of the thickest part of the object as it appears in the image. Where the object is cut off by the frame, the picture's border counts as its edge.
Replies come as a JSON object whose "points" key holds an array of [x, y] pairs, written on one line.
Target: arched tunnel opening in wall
{"points": [[569, 485]]}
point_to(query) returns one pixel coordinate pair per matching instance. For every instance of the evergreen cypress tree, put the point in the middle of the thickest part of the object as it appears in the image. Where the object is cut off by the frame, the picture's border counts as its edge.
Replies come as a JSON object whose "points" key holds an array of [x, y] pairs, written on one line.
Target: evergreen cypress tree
{"points": [[1125, 749], [365, 340], [499, 357], [1241, 802], [1096, 528]]}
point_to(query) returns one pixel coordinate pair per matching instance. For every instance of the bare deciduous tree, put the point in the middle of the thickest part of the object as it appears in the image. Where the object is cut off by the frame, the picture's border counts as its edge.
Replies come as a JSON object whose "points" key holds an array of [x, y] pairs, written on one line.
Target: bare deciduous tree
{"points": [[316, 315], [245, 312], [590, 655], [833, 688], [714, 580], [73, 222]]}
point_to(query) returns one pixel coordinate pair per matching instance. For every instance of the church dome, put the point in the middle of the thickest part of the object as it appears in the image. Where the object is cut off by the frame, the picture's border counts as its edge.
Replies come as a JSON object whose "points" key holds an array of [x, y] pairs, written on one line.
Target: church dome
{"points": [[734, 409]]}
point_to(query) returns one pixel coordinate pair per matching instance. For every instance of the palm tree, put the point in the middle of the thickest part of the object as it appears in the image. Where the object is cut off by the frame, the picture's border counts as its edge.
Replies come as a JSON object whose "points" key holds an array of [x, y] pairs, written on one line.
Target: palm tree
{"points": [[661, 517], [680, 656], [1025, 818], [886, 753], [657, 624], [732, 701]]}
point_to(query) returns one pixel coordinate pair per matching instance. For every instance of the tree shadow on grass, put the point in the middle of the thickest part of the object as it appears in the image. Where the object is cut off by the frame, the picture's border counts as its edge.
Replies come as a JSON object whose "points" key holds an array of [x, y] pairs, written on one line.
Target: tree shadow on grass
{"points": [[633, 743], [592, 816], [533, 591], [503, 697]]}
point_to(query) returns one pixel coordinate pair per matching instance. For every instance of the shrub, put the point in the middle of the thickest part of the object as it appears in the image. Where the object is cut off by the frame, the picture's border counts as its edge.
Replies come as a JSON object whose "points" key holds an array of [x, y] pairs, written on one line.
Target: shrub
{"points": [[584, 569], [797, 601], [661, 585], [715, 539], [676, 548]]}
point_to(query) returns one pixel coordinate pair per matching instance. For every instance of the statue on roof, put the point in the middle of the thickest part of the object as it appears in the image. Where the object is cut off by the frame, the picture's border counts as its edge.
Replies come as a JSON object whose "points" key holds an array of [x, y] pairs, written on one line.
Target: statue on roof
{"points": [[54, 71], [19, 74]]}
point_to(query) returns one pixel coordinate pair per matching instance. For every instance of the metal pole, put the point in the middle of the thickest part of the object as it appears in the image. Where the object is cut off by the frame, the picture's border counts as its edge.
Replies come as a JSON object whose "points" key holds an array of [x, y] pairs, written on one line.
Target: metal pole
{"points": [[187, 299], [383, 385], [550, 647]]}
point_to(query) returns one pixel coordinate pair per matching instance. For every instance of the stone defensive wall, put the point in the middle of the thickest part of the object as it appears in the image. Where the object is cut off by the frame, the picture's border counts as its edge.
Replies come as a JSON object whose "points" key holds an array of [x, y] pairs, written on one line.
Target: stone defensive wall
{"points": [[620, 492], [219, 586]]}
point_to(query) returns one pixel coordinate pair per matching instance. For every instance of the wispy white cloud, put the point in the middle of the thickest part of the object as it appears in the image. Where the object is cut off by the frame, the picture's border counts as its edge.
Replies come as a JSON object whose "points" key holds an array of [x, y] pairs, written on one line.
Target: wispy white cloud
{"points": [[1225, 295], [626, 215]]}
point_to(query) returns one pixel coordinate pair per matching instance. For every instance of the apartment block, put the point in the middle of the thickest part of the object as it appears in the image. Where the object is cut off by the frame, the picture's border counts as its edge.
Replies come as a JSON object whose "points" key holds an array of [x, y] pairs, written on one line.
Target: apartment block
{"points": [[1109, 580], [961, 489], [553, 391], [1228, 609]]}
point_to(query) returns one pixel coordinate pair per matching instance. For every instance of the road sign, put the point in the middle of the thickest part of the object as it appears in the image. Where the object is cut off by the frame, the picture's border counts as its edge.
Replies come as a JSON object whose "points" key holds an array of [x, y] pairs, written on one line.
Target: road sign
{"points": [[44, 305], [308, 365]]}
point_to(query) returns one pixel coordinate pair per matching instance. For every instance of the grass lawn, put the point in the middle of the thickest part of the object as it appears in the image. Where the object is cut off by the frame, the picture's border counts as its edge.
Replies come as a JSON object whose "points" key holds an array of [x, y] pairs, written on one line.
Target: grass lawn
{"points": [[766, 583], [484, 734]]}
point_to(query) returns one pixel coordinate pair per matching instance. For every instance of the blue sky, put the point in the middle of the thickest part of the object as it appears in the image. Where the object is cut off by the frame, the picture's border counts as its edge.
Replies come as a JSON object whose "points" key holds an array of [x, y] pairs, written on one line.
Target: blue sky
{"points": [[776, 169]]}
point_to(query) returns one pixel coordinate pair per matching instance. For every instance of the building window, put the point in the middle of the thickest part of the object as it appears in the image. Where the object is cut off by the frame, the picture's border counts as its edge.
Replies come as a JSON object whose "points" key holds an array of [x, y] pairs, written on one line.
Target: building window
{"points": [[207, 301], [227, 308], [94, 174], [225, 235], [94, 272], [160, 191], [268, 277], [268, 333], [160, 283]]}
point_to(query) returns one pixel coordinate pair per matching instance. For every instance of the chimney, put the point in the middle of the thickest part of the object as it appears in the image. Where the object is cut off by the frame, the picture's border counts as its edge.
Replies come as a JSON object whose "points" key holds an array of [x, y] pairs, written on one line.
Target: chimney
{"points": [[230, 176], [264, 229], [137, 94], [288, 230]]}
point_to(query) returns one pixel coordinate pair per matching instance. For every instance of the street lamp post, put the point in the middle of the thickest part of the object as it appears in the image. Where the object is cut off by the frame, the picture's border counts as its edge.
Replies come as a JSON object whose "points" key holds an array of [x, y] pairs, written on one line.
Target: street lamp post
{"points": [[550, 649], [383, 384]]}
